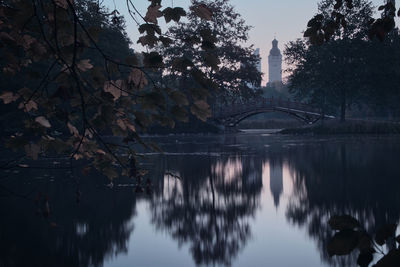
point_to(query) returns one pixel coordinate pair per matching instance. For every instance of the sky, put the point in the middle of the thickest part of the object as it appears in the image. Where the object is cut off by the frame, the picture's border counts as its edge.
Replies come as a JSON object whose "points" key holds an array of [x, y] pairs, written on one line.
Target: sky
{"points": [[285, 19]]}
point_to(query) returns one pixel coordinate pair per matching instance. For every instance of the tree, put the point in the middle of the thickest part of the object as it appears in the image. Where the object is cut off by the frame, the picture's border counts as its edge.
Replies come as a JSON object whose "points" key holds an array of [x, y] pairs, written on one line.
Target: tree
{"points": [[79, 87], [230, 65], [323, 25], [332, 75]]}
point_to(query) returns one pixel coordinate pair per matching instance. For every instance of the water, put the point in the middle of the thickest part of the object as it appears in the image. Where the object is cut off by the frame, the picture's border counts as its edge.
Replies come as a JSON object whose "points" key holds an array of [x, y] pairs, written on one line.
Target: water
{"points": [[248, 199]]}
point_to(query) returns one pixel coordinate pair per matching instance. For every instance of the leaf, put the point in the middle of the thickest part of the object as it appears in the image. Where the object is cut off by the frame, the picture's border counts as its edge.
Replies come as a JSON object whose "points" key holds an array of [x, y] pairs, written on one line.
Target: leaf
{"points": [[73, 130], [179, 98], [153, 12], [182, 64], [385, 233], [23, 165], [202, 11], [115, 88], [201, 110], [392, 259], [8, 97], [180, 113], [149, 40], [84, 65], [137, 78], [129, 125], [32, 151], [43, 121], [174, 14], [152, 59], [343, 243], [28, 106], [365, 258], [212, 61], [62, 3], [150, 29], [165, 41], [344, 222], [121, 124], [132, 60]]}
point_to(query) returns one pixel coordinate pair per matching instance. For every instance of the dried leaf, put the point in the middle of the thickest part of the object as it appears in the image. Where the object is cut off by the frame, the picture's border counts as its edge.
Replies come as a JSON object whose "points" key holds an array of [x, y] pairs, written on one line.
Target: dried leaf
{"points": [[202, 11], [8, 97], [137, 78], [84, 65], [43, 121], [114, 88], [153, 12], [73, 129], [121, 124]]}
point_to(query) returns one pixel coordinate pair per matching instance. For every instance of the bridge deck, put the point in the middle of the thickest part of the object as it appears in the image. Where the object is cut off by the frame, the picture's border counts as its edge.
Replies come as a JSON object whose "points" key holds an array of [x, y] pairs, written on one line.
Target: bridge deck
{"points": [[267, 104]]}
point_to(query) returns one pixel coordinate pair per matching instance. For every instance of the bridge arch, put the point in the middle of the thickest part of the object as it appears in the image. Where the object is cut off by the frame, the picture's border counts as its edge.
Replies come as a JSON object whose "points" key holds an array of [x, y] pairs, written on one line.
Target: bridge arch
{"points": [[235, 120], [232, 115]]}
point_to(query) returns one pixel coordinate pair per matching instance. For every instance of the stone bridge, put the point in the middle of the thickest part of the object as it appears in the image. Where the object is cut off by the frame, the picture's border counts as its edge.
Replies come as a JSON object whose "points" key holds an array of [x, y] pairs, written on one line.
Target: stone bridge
{"points": [[231, 115]]}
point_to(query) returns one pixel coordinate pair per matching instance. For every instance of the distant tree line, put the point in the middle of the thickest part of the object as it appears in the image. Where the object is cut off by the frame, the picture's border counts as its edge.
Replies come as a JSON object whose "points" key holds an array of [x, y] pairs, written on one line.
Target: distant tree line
{"points": [[350, 70]]}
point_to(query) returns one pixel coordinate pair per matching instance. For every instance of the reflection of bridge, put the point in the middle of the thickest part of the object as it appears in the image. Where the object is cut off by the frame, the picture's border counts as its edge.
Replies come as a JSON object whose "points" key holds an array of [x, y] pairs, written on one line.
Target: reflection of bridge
{"points": [[232, 115]]}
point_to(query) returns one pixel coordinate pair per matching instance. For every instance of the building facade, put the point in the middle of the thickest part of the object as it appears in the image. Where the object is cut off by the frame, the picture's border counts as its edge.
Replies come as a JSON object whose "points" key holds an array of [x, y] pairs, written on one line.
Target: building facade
{"points": [[275, 64]]}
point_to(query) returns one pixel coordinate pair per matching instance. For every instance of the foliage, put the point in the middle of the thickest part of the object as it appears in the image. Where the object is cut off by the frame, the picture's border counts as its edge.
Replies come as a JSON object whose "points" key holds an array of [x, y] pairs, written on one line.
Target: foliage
{"points": [[229, 64], [350, 236], [77, 87], [324, 25], [348, 71]]}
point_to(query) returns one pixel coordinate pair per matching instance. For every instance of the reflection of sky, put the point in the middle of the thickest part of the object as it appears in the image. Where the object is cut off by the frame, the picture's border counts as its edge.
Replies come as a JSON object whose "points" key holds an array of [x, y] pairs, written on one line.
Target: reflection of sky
{"points": [[285, 19], [274, 241]]}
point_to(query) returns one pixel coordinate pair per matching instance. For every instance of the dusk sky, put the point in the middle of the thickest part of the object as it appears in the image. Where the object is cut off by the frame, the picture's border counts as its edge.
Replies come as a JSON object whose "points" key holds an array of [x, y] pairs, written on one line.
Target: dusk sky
{"points": [[285, 19]]}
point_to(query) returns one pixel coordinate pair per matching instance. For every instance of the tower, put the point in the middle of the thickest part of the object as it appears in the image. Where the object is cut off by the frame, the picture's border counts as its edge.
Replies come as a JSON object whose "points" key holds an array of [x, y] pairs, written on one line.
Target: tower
{"points": [[275, 64]]}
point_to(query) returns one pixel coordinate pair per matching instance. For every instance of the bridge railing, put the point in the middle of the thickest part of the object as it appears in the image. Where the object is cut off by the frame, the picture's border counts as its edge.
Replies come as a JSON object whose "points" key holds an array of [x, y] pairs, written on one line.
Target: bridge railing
{"points": [[267, 103]]}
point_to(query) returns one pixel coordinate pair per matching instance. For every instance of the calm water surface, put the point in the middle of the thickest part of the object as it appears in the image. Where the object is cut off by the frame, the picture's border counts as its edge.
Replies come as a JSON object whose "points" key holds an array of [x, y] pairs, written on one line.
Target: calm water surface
{"points": [[248, 199]]}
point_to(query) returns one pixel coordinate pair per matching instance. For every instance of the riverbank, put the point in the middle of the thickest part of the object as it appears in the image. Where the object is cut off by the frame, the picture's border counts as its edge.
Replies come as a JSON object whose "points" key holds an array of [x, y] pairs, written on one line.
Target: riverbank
{"points": [[348, 127]]}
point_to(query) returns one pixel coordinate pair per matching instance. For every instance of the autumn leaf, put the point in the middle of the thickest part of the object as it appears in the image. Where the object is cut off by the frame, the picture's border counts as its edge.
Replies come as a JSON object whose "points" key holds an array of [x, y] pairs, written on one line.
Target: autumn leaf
{"points": [[149, 40], [43, 121], [84, 65], [72, 129], [8, 97], [138, 78], [201, 110], [121, 124], [202, 11], [153, 12], [179, 98], [28, 106], [62, 3], [115, 88], [174, 14]]}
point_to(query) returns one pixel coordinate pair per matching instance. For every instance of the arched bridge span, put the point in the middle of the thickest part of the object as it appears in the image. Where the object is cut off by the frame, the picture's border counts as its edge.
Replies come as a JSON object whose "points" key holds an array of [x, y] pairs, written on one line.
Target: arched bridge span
{"points": [[232, 115]]}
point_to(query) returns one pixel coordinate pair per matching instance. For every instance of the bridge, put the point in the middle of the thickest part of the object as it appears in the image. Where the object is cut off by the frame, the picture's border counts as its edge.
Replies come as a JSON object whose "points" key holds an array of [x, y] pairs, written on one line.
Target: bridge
{"points": [[231, 115]]}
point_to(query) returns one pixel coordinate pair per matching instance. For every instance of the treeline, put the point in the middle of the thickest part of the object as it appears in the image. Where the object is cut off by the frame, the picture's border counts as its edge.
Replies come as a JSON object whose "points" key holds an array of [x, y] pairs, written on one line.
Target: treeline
{"points": [[350, 72]]}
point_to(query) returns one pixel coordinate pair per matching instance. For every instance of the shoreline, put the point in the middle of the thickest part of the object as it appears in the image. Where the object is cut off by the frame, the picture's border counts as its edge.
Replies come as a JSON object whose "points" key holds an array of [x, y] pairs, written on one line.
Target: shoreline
{"points": [[348, 127]]}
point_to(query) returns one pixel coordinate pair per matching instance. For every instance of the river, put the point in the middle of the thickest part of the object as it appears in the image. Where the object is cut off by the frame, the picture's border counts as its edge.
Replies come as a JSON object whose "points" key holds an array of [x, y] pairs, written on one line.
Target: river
{"points": [[247, 199]]}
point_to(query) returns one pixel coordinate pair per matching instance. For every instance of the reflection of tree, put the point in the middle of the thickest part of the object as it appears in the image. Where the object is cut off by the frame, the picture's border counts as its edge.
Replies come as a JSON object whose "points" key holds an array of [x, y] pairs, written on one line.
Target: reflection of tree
{"points": [[209, 208], [350, 179], [83, 234]]}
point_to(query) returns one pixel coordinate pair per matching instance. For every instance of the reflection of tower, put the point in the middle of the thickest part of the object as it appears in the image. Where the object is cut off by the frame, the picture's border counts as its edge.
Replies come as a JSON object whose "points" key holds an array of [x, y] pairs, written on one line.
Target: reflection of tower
{"points": [[275, 64], [276, 181]]}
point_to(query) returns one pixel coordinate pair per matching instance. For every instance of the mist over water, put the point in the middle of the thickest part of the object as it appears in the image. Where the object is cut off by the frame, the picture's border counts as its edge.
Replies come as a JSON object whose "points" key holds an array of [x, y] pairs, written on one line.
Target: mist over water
{"points": [[248, 199]]}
